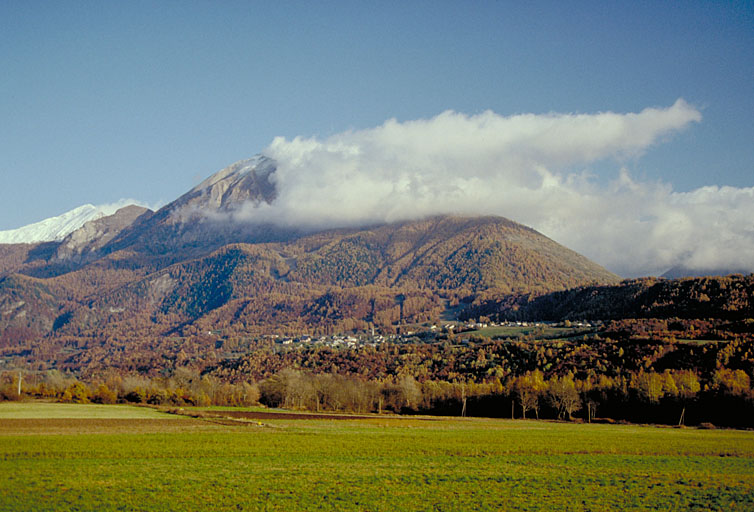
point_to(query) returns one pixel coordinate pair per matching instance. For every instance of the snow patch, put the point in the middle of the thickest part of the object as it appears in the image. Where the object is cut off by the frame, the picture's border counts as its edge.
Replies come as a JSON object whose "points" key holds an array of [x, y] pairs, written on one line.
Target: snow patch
{"points": [[259, 163]]}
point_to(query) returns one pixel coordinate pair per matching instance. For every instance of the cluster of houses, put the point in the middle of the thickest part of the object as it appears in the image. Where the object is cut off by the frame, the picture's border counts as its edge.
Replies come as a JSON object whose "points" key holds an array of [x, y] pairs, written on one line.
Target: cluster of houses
{"points": [[336, 340], [350, 341], [425, 333]]}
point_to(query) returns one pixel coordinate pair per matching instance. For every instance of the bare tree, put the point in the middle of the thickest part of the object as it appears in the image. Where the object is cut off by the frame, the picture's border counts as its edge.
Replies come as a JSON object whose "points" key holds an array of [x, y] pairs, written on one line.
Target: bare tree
{"points": [[410, 392], [563, 396]]}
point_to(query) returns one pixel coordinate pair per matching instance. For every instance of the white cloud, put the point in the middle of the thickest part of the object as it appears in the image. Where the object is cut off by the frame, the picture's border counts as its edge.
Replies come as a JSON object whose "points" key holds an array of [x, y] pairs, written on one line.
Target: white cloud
{"points": [[524, 167]]}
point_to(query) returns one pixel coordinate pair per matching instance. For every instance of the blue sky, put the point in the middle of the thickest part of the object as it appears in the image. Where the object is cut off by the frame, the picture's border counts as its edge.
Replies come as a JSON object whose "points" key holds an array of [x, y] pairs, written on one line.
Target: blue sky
{"points": [[107, 100]]}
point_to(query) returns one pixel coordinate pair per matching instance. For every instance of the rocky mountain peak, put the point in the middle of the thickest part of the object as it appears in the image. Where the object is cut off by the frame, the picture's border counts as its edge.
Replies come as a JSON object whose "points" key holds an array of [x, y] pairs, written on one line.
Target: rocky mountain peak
{"points": [[244, 181]]}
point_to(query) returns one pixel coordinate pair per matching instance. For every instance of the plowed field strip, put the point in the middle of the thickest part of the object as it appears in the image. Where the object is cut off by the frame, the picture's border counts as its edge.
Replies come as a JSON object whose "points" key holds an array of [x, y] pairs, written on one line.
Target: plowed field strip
{"points": [[36, 426]]}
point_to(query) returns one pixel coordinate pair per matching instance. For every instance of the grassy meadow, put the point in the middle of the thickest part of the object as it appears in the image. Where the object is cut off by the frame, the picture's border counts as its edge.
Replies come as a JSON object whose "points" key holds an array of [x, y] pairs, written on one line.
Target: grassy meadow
{"points": [[82, 457], [517, 332]]}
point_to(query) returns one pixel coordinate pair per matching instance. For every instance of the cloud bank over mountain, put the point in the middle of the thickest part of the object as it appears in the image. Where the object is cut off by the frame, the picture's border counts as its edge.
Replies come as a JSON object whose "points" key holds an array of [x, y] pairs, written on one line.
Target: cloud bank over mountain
{"points": [[529, 168]]}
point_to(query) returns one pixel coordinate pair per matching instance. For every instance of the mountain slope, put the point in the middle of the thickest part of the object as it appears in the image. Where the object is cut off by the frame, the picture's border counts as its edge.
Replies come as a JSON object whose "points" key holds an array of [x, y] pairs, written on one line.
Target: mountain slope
{"points": [[28, 309], [446, 252]]}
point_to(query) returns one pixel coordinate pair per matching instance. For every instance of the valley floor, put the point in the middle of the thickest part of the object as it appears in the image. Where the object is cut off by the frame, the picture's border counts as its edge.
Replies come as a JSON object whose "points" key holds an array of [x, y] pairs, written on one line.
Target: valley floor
{"points": [[84, 457]]}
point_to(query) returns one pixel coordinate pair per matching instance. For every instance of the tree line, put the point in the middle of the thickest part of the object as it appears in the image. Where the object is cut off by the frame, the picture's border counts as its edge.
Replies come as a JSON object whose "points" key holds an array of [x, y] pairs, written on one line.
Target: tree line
{"points": [[670, 397]]}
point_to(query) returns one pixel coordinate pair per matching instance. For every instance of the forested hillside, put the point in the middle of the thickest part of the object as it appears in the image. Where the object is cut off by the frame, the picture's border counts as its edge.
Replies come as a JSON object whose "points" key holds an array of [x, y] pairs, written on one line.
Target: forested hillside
{"points": [[727, 297], [333, 281]]}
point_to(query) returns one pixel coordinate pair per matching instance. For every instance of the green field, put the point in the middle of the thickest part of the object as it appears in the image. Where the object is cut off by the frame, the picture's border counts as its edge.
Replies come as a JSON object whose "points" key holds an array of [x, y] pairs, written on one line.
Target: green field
{"points": [[538, 332], [122, 460]]}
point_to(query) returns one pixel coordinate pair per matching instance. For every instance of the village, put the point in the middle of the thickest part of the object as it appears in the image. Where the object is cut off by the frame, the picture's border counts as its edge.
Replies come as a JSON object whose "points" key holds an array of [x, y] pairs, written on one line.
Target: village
{"points": [[428, 333]]}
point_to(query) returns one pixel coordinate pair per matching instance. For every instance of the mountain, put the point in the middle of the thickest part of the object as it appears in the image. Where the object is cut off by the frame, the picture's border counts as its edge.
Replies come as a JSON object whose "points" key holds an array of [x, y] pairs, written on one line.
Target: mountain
{"points": [[196, 266], [444, 252], [46, 259], [225, 191], [55, 228], [204, 219], [330, 281]]}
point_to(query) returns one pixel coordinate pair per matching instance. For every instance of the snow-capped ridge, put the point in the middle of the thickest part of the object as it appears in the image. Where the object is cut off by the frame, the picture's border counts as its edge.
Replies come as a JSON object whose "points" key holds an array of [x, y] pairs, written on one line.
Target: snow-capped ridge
{"points": [[57, 228]]}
